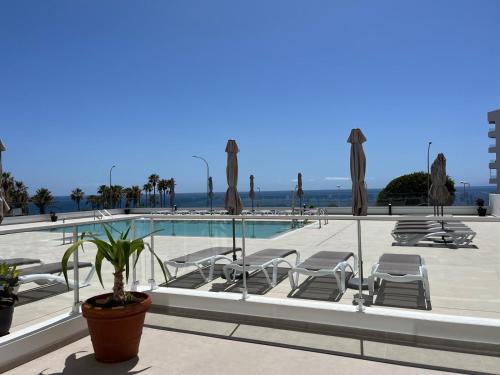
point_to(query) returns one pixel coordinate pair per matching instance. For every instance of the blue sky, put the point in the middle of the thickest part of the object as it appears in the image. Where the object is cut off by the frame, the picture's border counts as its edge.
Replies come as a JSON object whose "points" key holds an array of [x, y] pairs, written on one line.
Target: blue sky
{"points": [[146, 84]]}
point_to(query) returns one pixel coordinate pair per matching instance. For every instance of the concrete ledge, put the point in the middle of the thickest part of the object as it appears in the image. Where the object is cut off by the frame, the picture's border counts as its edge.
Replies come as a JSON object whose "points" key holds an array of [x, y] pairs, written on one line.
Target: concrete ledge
{"points": [[27, 344], [375, 319]]}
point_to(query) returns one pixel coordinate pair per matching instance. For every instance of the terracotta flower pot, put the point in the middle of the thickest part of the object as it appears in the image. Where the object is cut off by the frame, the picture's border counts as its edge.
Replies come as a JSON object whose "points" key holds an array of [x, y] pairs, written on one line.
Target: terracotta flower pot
{"points": [[116, 332]]}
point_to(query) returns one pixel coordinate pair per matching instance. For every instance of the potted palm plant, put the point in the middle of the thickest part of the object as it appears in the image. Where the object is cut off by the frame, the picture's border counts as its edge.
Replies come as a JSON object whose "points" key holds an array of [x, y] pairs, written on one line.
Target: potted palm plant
{"points": [[9, 278], [481, 211], [115, 320]]}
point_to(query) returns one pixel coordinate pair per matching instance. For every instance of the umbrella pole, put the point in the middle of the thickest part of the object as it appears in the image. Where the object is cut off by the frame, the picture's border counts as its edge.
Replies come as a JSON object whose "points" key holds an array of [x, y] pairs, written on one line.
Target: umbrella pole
{"points": [[360, 265], [234, 240], [243, 229]]}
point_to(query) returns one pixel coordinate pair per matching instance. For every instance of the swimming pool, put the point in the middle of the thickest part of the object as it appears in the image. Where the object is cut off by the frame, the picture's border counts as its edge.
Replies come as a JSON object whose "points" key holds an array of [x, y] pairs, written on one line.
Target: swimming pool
{"points": [[193, 228]]}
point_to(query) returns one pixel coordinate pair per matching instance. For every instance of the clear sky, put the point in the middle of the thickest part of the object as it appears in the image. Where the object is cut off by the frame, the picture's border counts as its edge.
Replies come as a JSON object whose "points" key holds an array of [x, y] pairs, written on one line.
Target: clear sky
{"points": [[147, 84]]}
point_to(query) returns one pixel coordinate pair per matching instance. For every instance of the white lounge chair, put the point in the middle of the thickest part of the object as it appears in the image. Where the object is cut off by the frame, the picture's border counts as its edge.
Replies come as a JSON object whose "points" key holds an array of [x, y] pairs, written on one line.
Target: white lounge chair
{"points": [[201, 260], [400, 268], [52, 273], [325, 263], [260, 261]]}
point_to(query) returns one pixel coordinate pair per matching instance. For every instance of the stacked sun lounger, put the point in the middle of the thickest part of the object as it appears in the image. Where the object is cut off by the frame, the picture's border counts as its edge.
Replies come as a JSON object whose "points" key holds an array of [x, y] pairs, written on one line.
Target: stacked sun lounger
{"points": [[410, 233]]}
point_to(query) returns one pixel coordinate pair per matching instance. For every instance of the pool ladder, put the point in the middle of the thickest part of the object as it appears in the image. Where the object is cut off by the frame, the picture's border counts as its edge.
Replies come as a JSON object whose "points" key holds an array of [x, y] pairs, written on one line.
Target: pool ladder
{"points": [[322, 211]]}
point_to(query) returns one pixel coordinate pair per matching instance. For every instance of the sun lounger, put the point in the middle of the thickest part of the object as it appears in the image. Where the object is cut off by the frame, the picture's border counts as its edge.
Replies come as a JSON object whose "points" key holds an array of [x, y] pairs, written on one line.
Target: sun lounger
{"points": [[412, 236], [19, 261], [260, 261], [52, 273], [201, 259], [324, 263], [400, 268], [430, 224]]}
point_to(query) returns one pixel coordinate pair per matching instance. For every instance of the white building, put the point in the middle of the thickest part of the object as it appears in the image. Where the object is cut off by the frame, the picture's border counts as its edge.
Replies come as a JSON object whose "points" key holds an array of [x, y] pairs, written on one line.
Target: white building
{"points": [[494, 132]]}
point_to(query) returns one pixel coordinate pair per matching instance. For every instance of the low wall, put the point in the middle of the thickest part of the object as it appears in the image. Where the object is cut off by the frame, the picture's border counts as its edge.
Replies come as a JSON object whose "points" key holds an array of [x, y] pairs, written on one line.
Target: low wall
{"points": [[495, 204], [377, 210], [60, 216]]}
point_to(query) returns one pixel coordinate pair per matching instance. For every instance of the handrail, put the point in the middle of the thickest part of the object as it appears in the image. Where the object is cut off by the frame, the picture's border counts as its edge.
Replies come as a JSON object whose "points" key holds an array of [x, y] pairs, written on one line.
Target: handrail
{"points": [[31, 227]]}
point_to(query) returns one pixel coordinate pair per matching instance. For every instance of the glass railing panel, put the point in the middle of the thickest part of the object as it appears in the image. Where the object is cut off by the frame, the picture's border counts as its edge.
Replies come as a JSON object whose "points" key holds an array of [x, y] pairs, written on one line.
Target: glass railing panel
{"points": [[42, 291], [459, 258], [194, 250]]}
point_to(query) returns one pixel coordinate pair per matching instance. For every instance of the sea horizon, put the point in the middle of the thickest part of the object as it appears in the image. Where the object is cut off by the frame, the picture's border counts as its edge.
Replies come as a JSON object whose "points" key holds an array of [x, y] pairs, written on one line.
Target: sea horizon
{"points": [[273, 198]]}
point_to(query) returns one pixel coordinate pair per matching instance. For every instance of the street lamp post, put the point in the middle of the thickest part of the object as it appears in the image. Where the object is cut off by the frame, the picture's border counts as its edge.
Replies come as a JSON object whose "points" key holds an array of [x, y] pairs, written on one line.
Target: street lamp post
{"points": [[208, 174], [465, 194], [258, 200], [338, 195], [428, 172]]}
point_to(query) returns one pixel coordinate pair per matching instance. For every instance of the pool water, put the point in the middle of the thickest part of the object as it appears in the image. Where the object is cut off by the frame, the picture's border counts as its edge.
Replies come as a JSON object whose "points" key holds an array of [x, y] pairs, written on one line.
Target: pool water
{"points": [[193, 228]]}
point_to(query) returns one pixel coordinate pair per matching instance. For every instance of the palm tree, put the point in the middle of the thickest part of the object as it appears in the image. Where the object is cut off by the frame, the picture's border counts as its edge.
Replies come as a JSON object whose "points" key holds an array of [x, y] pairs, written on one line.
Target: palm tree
{"points": [[127, 192], [160, 193], [93, 200], [42, 198], [104, 193], [153, 180], [76, 196], [135, 192], [116, 196], [7, 185], [20, 197], [147, 189], [162, 190]]}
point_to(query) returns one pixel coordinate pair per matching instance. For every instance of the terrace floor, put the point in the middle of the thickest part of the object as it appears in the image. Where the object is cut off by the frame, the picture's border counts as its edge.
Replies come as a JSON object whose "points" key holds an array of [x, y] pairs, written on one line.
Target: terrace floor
{"points": [[176, 345]]}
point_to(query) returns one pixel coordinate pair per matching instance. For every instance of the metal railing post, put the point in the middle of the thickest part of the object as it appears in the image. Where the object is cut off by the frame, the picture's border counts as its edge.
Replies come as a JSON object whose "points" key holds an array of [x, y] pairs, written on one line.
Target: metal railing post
{"points": [[243, 236], [360, 298], [152, 242], [134, 258], [76, 276]]}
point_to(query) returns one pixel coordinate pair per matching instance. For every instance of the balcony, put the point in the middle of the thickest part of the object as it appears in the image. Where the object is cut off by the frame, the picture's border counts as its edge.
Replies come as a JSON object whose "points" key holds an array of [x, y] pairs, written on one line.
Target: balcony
{"points": [[492, 133], [493, 180], [492, 149], [493, 164], [192, 317]]}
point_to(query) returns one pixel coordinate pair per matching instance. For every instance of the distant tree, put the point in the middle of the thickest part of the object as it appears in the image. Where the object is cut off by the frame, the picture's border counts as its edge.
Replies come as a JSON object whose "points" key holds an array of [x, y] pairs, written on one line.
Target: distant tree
{"points": [[7, 185], [135, 193], [76, 196], [152, 200], [410, 190], [42, 198], [19, 196], [116, 193], [104, 196], [153, 180], [93, 200], [148, 188], [163, 186]]}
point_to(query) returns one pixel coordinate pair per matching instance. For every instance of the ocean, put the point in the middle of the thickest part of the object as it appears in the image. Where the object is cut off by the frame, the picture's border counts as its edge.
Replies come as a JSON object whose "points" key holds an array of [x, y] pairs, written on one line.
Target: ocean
{"points": [[317, 198]]}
